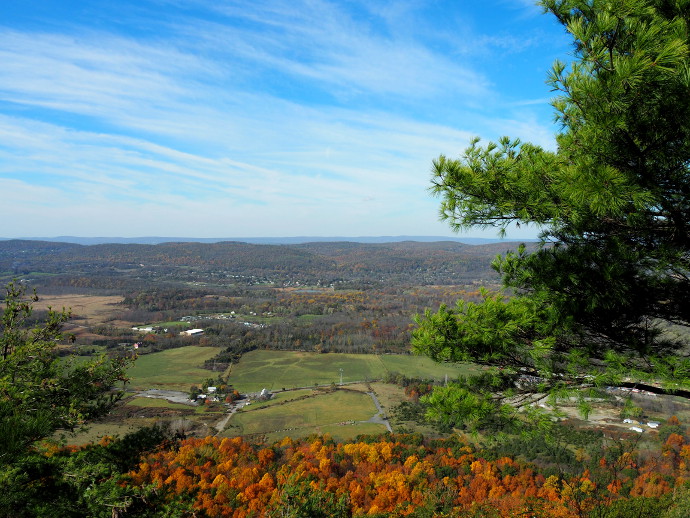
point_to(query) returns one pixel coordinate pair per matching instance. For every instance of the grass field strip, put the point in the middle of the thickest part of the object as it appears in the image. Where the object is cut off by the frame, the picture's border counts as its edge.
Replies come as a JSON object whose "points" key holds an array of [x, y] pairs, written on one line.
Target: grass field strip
{"points": [[332, 408]]}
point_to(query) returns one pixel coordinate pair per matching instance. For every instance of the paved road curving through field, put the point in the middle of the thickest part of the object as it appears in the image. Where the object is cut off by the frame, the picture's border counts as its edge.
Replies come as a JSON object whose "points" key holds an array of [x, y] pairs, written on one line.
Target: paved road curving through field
{"points": [[380, 417]]}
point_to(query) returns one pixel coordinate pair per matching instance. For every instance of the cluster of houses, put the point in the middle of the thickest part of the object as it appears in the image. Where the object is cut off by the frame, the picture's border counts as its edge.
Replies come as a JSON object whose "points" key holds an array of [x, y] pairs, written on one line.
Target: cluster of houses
{"points": [[218, 316], [197, 331], [224, 316], [156, 329], [650, 424], [211, 394]]}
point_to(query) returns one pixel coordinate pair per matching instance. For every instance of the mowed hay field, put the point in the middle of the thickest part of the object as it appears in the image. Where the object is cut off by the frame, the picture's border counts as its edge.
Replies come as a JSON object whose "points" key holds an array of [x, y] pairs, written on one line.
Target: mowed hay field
{"points": [[425, 368], [339, 412], [276, 370], [174, 369]]}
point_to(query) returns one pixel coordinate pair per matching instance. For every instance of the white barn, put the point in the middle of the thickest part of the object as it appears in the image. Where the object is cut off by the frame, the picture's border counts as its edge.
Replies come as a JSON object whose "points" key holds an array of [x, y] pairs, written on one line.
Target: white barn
{"points": [[193, 332]]}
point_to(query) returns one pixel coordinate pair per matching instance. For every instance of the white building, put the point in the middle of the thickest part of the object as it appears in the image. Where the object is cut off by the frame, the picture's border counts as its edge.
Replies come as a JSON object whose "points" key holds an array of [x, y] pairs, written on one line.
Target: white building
{"points": [[193, 332]]}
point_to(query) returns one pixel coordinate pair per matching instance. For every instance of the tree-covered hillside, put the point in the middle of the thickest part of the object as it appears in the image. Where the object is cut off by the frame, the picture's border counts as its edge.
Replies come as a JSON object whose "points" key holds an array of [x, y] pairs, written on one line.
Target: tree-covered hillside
{"points": [[226, 263]]}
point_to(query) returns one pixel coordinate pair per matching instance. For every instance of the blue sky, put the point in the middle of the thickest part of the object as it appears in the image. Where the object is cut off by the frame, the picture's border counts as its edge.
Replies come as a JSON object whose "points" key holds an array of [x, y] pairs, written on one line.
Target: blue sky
{"points": [[216, 118]]}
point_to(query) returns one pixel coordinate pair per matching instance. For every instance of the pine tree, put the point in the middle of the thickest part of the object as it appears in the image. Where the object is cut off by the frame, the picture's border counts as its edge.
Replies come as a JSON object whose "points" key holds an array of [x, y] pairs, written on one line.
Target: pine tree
{"points": [[602, 300], [39, 392]]}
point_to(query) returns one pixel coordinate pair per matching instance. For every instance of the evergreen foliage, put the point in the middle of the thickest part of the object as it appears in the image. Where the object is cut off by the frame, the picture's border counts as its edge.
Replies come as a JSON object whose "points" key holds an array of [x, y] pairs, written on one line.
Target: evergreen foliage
{"points": [[604, 298], [86, 481], [40, 394]]}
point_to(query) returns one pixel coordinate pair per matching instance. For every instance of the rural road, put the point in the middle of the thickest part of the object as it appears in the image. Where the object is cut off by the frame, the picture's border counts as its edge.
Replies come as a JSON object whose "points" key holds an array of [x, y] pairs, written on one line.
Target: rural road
{"points": [[220, 425], [380, 416]]}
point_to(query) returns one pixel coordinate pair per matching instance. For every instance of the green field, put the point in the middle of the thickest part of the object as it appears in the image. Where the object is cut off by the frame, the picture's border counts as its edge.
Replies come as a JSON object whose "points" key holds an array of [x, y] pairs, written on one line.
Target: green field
{"points": [[170, 323], [150, 402], [174, 369], [296, 413], [95, 431], [304, 416], [288, 369], [284, 397], [426, 368], [291, 413]]}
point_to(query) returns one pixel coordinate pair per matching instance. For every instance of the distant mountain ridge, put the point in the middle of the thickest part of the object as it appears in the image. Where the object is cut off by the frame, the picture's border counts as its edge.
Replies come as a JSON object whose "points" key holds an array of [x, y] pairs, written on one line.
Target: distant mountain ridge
{"points": [[294, 240], [323, 263]]}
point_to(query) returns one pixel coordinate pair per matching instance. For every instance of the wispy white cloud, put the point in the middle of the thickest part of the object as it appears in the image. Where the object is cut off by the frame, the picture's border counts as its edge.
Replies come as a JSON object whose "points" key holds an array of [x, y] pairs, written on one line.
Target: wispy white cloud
{"points": [[385, 160], [322, 43], [307, 118]]}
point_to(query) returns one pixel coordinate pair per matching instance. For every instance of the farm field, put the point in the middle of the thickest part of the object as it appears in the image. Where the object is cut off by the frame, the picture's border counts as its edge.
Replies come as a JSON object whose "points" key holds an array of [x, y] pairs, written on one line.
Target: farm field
{"points": [[97, 430], [424, 367], [136, 412], [336, 412], [289, 369], [94, 309], [294, 413], [149, 402], [390, 396], [173, 369], [169, 323], [284, 397]]}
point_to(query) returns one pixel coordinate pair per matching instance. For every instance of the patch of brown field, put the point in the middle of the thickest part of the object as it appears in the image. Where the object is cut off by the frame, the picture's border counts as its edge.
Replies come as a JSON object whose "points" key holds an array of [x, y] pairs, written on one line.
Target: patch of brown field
{"points": [[92, 308], [82, 333]]}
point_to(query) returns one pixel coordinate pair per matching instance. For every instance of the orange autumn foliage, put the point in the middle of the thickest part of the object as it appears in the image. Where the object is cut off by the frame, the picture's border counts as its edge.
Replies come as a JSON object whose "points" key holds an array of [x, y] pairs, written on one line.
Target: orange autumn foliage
{"points": [[393, 475]]}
